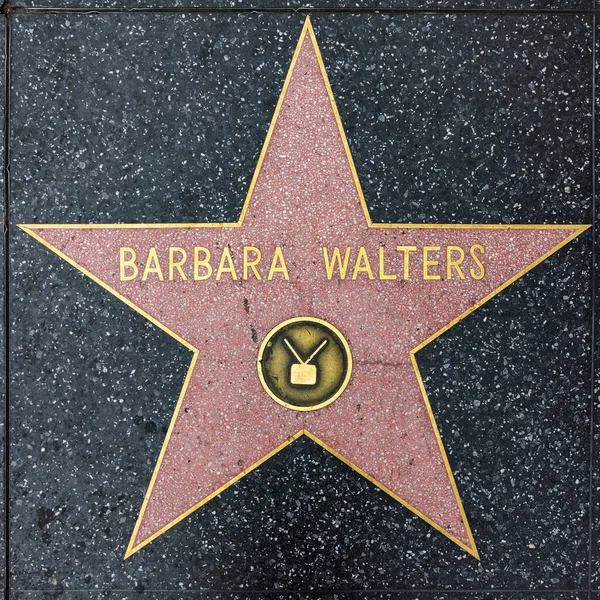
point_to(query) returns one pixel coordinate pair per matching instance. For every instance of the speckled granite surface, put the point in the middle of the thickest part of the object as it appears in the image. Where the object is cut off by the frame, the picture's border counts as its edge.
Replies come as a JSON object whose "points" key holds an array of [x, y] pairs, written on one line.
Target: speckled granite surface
{"points": [[3, 332], [365, 5], [160, 118], [595, 521], [3, 342], [417, 595]]}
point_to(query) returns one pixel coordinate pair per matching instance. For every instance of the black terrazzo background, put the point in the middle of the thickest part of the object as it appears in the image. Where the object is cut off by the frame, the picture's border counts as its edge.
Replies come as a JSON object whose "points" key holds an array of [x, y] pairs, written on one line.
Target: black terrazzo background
{"points": [[420, 595], [328, 5], [473, 140], [160, 117], [3, 342], [595, 571]]}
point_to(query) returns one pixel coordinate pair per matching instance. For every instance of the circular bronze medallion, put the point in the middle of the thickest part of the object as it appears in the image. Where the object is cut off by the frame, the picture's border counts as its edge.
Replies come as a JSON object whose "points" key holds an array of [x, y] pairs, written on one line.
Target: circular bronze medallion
{"points": [[304, 363]]}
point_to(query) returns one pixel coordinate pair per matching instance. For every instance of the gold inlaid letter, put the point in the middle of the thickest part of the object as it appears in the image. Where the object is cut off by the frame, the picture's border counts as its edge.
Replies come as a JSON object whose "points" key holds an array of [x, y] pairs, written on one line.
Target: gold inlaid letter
{"points": [[336, 258], [406, 250], [454, 263], [481, 273], [176, 264], [251, 264], [152, 266], [226, 258], [382, 273], [127, 263], [427, 262], [278, 260], [202, 263], [362, 264]]}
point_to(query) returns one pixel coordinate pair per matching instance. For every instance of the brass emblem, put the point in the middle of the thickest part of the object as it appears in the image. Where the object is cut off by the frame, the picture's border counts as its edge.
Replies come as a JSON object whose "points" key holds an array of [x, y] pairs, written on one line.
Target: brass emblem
{"points": [[304, 363]]}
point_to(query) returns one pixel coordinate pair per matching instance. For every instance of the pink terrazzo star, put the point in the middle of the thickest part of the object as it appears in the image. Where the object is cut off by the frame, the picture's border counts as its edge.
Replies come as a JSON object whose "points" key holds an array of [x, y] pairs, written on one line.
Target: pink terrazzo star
{"points": [[304, 196]]}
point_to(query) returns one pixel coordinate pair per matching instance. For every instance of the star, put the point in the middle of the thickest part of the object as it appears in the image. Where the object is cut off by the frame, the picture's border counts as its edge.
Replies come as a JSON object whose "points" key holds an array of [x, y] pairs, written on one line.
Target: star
{"points": [[304, 247]]}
